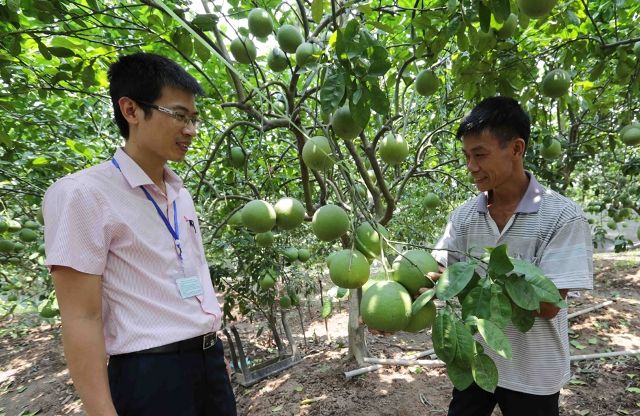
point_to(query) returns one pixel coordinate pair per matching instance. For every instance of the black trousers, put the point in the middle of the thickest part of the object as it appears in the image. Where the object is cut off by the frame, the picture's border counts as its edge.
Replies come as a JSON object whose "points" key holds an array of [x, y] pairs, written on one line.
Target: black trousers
{"points": [[477, 402], [186, 383]]}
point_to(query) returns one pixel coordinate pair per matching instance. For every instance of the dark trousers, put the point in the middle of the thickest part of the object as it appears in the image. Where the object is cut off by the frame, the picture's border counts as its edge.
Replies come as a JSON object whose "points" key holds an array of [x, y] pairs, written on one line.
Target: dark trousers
{"points": [[186, 383], [477, 402]]}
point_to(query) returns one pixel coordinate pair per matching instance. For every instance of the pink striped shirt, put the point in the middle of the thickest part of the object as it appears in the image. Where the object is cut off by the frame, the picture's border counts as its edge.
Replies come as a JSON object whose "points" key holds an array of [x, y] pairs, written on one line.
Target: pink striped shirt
{"points": [[99, 221]]}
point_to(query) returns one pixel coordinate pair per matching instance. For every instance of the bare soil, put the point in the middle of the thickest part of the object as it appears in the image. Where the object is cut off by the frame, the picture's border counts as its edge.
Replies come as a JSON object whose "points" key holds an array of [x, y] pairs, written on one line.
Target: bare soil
{"points": [[34, 379]]}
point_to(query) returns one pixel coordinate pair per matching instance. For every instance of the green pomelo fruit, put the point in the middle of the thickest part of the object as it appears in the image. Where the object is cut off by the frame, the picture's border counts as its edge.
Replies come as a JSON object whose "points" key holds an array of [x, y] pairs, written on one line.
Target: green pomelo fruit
{"points": [[393, 149], [41, 249], [631, 137], [266, 282], [612, 224], [411, 268], [39, 217], [237, 157], [508, 27], [349, 269], [431, 201], [18, 246], [14, 260], [305, 53], [369, 241], [316, 153], [31, 224], [290, 254], [265, 239], [236, 218], [330, 258], [289, 213], [6, 246], [295, 299], [285, 302], [329, 222], [258, 216], [536, 8], [303, 254], [361, 190], [243, 50], [13, 226], [27, 235], [3, 226], [343, 124], [277, 60], [289, 38], [552, 151], [427, 82], [386, 306], [556, 83], [423, 319], [260, 24]]}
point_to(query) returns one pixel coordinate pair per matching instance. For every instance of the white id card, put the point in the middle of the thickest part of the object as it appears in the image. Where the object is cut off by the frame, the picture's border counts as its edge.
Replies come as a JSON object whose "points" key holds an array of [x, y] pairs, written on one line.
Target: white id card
{"points": [[189, 286]]}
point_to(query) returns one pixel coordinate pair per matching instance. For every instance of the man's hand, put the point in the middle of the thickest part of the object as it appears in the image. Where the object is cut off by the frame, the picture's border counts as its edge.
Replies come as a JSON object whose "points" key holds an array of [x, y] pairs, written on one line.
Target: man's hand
{"points": [[549, 310]]}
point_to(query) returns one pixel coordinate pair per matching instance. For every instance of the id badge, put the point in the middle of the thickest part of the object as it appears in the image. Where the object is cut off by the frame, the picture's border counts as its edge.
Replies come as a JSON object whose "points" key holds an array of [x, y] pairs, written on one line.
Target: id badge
{"points": [[189, 286]]}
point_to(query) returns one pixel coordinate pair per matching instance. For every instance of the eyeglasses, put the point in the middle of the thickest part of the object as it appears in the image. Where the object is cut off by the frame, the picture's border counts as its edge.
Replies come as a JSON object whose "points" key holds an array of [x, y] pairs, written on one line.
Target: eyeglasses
{"points": [[195, 120]]}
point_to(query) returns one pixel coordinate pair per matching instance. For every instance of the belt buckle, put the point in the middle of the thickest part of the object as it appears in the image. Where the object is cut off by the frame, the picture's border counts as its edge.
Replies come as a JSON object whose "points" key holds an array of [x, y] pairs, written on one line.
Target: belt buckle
{"points": [[209, 340]]}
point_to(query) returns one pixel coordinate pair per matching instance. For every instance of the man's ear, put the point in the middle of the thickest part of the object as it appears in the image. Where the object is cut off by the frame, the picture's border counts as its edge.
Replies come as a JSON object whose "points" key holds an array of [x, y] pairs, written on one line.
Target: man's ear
{"points": [[129, 110], [519, 146]]}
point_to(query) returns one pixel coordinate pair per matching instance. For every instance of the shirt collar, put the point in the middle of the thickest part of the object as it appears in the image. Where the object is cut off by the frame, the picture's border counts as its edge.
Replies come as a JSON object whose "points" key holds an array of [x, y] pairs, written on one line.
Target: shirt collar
{"points": [[135, 176], [530, 202]]}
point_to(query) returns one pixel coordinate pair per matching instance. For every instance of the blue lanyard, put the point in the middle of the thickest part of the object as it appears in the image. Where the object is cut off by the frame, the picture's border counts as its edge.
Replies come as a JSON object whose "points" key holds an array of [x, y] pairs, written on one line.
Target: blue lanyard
{"points": [[175, 233]]}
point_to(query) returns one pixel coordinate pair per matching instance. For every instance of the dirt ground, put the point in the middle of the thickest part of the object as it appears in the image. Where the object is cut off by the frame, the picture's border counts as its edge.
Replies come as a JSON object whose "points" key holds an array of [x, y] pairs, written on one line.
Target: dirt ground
{"points": [[34, 379]]}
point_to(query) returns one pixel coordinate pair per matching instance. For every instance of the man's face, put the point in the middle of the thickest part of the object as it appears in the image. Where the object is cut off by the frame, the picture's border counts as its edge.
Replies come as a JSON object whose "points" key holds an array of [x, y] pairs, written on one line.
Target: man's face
{"points": [[490, 165], [163, 136]]}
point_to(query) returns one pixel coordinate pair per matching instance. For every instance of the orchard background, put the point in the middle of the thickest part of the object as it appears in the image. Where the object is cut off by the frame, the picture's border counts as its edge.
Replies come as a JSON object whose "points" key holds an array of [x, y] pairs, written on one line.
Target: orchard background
{"points": [[385, 82]]}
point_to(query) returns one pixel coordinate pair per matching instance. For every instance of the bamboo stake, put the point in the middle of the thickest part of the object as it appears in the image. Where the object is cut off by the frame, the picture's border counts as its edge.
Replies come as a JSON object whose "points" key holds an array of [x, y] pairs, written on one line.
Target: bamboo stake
{"points": [[391, 361], [592, 308], [603, 355]]}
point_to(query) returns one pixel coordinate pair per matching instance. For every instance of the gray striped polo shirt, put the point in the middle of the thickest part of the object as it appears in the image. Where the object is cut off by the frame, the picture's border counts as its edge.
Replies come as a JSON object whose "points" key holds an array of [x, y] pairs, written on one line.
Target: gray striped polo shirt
{"points": [[550, 231]]}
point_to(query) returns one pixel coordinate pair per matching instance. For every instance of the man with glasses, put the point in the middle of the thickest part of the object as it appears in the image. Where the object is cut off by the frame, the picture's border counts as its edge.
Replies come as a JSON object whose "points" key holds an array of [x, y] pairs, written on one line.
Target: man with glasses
{"points": [[124, 247]]}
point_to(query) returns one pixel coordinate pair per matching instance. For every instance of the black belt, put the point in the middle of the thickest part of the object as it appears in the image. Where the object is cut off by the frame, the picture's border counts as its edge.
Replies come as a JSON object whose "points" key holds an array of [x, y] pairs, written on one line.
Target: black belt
{"points": [[199, 343]]}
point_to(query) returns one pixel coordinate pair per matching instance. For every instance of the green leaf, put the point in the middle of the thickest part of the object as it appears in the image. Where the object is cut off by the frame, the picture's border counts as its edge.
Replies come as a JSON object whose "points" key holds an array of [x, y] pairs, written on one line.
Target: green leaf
{"points": [[379, 100], [576, 344], [442, 334], [522, 319], [88, 76], [485, 372], [454, 279], [202, 51], [485, 17], [40, 161], [380, 63], [477, 303], [501, 9], [472, 284], [500, 307], [332, 91], [494, 337], [182, 40], [361, 110], [522, 292], [464, 343], [461, 377], [422, 300], [382, 26], [499, 263], [205, 22], [544, 288], [317, 9], [327, 308], [61, 52]]}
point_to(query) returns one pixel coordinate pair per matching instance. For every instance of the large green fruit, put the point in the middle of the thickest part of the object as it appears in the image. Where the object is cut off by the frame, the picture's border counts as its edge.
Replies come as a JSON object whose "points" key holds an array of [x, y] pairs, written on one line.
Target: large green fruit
{"points": [[289, 213], [237, 157], [243, 50], [6, 246], [265, 239], [393, 149], [411, 268], [305, 53], [536, 8], [260, 24], [258, 216], [31, 224], [285, 302], [343, 124], [369, 241], [236, 218], [431, 201], [386, 306], [349, 269], [267, 281], [631, 134], [39, 217], [289, 38], [18, 246], [27, 235], [13, 226], [427, 82], [277, 60], [3, 226], [329, 222], [303, 254], [508, 27], [316, 153], [290, 254], [422, 319], [556, 83], [552, 151]]}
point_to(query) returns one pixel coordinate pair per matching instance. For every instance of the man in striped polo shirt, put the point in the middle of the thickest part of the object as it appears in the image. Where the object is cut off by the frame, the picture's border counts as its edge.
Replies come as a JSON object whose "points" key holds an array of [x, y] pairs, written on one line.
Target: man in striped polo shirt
{"points": [[124, 247], [538, 225]]}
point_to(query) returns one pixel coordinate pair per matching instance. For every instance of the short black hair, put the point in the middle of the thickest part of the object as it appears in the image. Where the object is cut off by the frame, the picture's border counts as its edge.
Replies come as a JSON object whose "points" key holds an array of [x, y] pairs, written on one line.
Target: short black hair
{"points": [[142, 76], [502, 116]]}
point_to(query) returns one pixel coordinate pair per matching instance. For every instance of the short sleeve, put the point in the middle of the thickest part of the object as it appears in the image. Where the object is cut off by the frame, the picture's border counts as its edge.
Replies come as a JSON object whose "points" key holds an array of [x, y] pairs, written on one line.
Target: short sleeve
{"points": [[568, 258], [448, 241], [76, 231]]}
